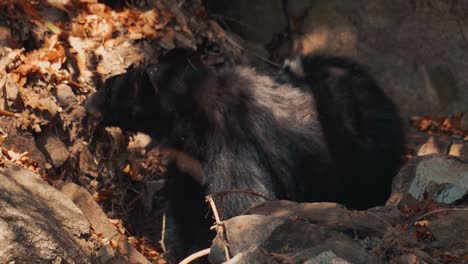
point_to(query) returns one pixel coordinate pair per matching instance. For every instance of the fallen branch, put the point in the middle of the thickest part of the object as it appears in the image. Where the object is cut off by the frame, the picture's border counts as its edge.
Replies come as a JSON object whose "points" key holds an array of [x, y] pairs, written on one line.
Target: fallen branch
{"points": [[219, 225], [163, 236], [6, 113], [440, 210], [195, 256]]}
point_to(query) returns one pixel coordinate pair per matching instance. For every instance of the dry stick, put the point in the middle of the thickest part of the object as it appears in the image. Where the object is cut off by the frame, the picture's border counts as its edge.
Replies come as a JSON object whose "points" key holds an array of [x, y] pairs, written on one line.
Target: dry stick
{"points": [[4, 89], [6, 113], [220, 225], [441, 210], [163, 235], [380, 218], [220, 229], [195, 256]]}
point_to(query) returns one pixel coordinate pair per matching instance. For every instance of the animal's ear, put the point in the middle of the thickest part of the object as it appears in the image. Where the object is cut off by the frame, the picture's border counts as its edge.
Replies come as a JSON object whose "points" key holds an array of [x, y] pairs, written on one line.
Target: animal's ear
{"points": [[177, 56]]}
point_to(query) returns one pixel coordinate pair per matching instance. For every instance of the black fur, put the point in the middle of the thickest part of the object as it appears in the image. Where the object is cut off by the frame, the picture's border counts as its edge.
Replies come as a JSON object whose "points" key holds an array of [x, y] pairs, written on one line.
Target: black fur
{"points": [[338, 139], [361, 125]]}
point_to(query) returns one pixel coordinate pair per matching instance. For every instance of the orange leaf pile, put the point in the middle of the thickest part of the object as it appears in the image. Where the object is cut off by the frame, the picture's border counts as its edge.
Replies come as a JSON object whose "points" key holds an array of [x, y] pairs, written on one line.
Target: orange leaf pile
{"points": [[451, 125]]}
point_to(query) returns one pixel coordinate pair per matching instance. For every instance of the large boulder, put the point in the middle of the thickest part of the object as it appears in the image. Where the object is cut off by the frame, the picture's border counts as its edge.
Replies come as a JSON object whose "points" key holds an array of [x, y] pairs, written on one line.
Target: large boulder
{"points": [[38, 224], [302, 233], [443, 179], [289, 232], [102, 225]]}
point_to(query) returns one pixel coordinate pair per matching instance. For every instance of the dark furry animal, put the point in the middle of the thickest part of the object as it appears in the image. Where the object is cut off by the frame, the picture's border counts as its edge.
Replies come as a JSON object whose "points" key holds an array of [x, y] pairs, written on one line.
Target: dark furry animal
{"points": [[360, 124], [338, 138]]}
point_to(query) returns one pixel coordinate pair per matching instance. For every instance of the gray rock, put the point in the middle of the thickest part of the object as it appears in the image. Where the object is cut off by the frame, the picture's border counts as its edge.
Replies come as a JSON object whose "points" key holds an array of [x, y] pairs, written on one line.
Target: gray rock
{"points": [[53, 148], [11, 89], [326, 257], [244, 233], [301, 241], [65, 95], [293, 240], [102, 225], [106, 254], [289, 232], [332, 215], [443, 226], [443, 178], [38, 224]]}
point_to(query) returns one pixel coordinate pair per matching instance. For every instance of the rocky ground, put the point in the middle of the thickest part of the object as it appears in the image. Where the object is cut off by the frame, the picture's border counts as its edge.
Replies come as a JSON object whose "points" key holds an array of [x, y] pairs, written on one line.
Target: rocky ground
{"points": [[77, 193]]}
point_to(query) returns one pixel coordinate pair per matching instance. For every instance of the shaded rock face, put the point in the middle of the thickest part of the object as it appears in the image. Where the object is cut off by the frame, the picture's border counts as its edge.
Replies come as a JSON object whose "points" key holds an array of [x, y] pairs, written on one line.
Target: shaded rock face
{"points": [[38, 224], [446, 180], [285, 231], [299, 233], [289, 232], [416, 49], [101, 224], [298, 240]]}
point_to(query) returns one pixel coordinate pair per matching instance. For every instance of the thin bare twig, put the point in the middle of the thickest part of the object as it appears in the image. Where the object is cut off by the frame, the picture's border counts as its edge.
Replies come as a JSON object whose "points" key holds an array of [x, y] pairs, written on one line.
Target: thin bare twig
{"points": [[441, 210], [6, 113], [219, 226], [4, 89], [163, 234], [380, 218]]}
